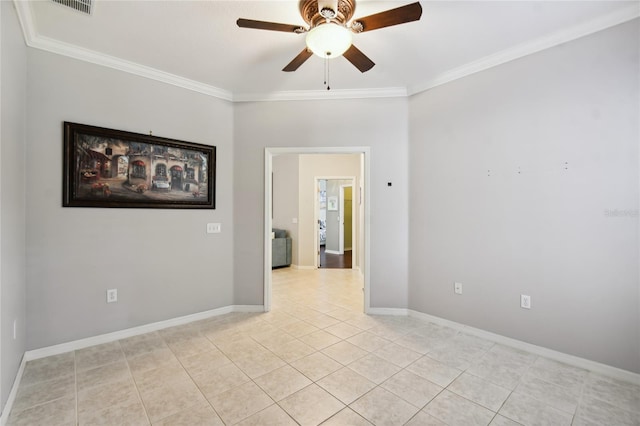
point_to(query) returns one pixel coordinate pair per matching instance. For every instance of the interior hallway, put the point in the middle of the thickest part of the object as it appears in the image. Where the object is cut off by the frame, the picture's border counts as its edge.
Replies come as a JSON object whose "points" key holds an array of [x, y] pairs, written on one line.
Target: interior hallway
{"points": [[315, 359], [335, 261]]}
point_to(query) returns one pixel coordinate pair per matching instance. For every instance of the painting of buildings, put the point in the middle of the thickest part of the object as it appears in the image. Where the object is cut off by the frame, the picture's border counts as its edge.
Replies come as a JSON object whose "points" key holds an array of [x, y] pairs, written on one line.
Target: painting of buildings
{"points": [[121, 170]]}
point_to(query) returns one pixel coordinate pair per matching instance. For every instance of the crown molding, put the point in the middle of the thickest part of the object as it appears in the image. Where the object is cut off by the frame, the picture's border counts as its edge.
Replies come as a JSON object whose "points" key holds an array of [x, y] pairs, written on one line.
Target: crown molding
{"points": [[300, 95], [35, 40], [572, 33]]}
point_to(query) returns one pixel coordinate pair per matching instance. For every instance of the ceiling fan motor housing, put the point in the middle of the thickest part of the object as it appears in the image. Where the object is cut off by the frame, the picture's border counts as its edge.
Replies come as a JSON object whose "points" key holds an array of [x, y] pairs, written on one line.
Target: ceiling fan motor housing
{"points": [[343, 11]]}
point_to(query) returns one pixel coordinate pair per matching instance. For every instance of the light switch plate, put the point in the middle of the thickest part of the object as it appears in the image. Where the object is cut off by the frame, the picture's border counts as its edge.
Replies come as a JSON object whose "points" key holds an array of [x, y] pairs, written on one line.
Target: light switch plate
{"points": [[214, 228]]}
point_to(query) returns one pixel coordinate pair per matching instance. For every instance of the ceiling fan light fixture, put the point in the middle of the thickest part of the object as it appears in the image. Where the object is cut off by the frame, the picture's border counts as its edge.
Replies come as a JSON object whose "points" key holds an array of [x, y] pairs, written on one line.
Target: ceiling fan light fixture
{"points": [[329, 40]]}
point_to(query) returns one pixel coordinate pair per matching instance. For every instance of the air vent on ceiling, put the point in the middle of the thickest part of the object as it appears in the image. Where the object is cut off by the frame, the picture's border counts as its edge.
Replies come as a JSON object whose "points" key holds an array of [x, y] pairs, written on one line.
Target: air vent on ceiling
{"points": [[83, 6]]}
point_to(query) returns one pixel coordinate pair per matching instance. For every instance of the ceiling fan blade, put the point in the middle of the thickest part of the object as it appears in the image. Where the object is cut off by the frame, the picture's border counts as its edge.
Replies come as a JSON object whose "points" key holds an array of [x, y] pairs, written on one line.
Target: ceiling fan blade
{"points": [[298, 60], [399, 15], [358, 59], [271, 26]]}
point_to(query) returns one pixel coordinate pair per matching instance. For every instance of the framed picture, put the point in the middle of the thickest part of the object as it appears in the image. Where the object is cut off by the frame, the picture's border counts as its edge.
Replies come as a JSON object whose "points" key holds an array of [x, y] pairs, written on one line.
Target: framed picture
{"points": [[332, 203], [112, 168]]}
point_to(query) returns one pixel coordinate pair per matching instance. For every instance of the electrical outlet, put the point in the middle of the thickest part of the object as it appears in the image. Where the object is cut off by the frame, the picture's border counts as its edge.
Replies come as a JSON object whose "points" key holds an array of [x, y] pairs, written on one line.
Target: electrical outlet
{"points": [[525, 301], [112, 295], [457, 288]]}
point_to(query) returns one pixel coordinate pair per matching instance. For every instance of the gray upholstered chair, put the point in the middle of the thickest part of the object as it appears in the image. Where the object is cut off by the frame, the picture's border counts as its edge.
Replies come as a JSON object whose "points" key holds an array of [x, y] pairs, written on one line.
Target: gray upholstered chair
{"points": [[280, 249]]}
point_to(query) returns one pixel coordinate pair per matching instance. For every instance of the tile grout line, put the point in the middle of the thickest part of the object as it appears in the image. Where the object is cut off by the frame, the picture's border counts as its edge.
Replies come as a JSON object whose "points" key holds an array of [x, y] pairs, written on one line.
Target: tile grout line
{"points": [[75, 382], [190, 376], [135, 383]]}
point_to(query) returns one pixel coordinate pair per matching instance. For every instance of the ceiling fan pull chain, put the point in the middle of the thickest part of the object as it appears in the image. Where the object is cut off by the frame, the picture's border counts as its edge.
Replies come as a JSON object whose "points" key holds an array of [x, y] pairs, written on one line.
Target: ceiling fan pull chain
{"points": [[326, 71]]}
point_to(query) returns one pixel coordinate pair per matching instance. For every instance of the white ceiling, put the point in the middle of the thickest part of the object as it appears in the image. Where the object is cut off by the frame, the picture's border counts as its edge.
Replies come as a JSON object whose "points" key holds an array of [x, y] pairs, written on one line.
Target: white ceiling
{"points": [[196, 44]]}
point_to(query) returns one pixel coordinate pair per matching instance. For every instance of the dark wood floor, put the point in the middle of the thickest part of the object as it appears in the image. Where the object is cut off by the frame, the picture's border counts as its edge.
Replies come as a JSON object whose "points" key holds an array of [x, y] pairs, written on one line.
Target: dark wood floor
{"points": [[335, 261]]}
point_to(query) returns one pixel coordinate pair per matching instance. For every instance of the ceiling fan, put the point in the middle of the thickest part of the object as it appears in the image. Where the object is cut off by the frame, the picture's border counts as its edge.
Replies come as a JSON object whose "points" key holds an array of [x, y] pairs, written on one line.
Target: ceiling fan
{"points": [[329, 32]]}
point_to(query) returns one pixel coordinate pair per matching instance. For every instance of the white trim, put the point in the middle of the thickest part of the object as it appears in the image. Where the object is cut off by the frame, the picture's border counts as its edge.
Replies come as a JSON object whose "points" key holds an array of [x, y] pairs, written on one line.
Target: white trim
{"points": [[303, 267], [4, 418], [268, 229], [97, 58], [269, 152], [35, 40], [246, 308], [305, 95], [2, 409], [366, 268], [575, 361], [575, 32], [389, 311], [135, 331], [343, 222], [317, 246], [111, 337], [593, 366], [332, 251]]}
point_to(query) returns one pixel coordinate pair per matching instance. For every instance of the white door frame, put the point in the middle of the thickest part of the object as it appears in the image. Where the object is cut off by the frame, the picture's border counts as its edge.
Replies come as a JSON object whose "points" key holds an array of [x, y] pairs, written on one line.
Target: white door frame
{"points": [[268, 220], [342, 214], [316, 209]]}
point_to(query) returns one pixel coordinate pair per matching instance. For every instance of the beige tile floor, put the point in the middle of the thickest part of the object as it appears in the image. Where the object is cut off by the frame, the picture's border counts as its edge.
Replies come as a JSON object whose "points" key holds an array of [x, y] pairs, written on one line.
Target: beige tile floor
{"points": [[315, 359]]}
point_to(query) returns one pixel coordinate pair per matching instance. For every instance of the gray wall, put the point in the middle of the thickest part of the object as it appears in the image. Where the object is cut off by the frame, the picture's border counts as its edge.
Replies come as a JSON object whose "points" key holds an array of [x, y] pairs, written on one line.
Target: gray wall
{"points": [[12, 196], [561, 236], [162, 262], [378, 123], [316, 166], [285, 198], [547, 232]]}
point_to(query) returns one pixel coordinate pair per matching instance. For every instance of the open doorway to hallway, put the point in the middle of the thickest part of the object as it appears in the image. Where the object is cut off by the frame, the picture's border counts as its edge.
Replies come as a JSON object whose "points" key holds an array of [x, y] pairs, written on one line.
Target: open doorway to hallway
{"points": [[337, 223], [301, 224]]}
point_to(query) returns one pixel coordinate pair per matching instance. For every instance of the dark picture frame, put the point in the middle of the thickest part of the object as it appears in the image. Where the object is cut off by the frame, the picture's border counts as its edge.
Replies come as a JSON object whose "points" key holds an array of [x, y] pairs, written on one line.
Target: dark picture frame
{"points": [[113, 168]]}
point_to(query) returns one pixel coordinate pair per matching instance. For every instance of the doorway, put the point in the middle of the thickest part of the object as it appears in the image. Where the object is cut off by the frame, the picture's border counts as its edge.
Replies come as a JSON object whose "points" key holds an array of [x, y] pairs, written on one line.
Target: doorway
{"points": [[176, 178], [336, 242], [362, 195]]}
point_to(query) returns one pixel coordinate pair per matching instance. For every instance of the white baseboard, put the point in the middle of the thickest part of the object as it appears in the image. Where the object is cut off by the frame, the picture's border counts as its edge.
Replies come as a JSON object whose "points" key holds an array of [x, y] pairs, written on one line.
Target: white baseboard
{"points": [[388, 311], [303, 267], [586, 364], [331, 251], [4, 418], [135, 331], [246, 308], [596, 367], [111, 337]]}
